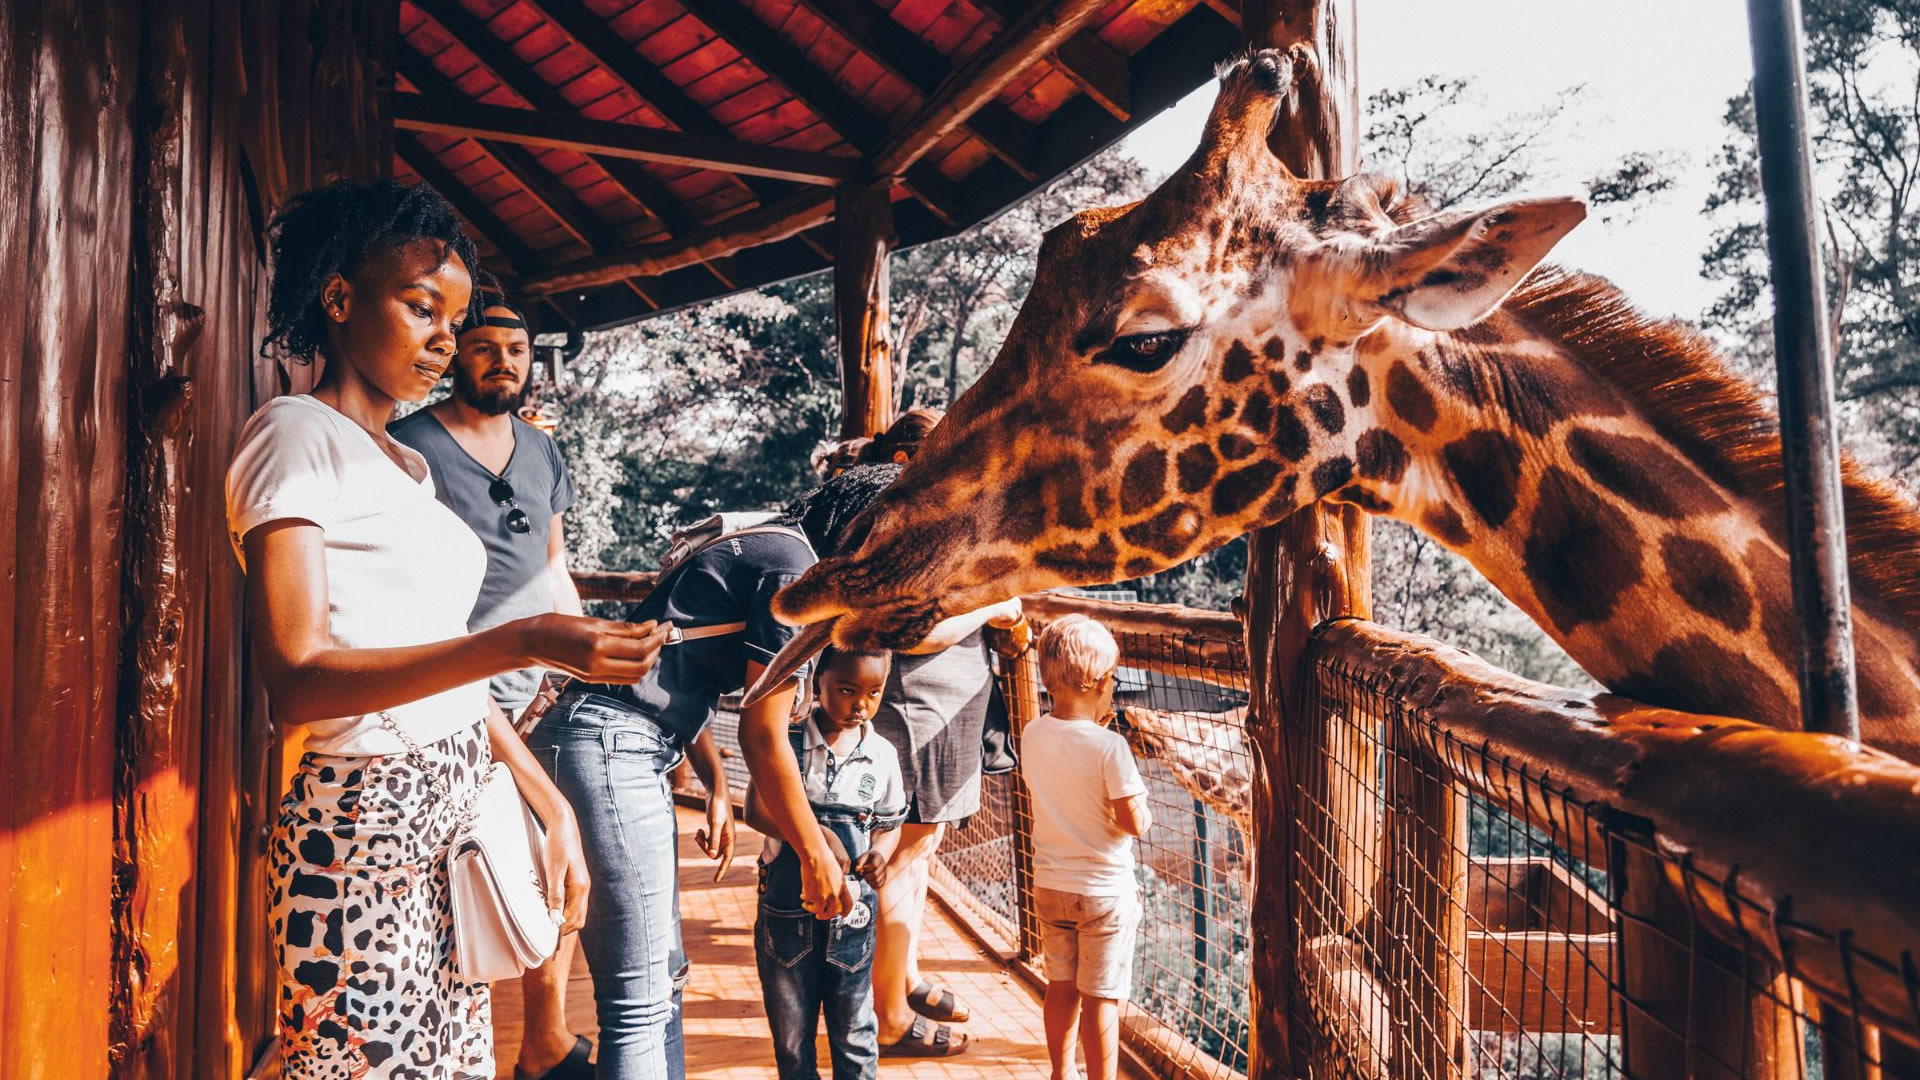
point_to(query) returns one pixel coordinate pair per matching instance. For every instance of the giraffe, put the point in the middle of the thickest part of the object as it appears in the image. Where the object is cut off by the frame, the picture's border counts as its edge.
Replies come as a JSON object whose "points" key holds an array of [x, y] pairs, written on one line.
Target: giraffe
{"points": [[1242, 343], [1204, 752]]}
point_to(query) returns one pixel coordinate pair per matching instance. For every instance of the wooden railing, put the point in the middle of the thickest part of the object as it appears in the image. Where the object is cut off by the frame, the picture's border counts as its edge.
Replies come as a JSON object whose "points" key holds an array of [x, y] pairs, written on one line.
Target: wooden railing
{"points": [[1489, 876]]}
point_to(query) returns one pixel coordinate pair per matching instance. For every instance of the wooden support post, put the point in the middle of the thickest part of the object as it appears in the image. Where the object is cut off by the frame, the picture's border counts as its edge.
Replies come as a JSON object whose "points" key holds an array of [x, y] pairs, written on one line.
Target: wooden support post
{"points": [[1421, 935], [1308, 568], [864, 212], [1022, 687], [1693, 1008]]}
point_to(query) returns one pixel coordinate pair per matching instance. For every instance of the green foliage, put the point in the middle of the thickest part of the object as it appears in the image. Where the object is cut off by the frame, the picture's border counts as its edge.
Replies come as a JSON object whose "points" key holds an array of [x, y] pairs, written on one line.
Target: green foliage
{"points": [[1863, 81]]}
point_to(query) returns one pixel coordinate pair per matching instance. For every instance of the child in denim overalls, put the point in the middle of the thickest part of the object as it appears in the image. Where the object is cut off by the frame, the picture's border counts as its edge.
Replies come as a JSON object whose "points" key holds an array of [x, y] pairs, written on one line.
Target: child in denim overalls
{"points": [[808, 965]]}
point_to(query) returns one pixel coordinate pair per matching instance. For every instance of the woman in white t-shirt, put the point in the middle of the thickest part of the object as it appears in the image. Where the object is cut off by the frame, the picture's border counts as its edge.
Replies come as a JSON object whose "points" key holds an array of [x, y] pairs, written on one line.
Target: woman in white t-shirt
{"points": [[359, 583]]}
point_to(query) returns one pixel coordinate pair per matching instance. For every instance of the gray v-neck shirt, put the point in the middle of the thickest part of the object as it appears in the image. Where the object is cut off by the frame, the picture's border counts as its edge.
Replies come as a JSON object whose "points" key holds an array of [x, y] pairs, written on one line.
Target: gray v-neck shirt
{"points": [[517, 582]]}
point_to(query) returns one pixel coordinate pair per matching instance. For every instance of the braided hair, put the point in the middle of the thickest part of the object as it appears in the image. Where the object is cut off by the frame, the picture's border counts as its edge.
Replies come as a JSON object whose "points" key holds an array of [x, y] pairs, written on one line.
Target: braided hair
{"points": [[335, 230], [825, 512]]}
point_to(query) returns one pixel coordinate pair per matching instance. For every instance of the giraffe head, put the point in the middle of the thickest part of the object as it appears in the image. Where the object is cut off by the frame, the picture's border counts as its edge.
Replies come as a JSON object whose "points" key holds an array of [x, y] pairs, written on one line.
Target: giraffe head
{"points": [[1182, 371]]}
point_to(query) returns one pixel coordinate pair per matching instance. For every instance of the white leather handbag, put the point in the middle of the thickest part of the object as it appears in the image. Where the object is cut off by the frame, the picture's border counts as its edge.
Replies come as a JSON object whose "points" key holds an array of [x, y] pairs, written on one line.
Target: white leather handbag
{"points": [[496, 875], [497, 882]]}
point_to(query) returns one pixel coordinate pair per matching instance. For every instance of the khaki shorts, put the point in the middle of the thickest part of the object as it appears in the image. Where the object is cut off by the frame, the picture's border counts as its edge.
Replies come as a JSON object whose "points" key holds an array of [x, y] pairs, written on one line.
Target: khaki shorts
{"points": [[1089, 940]]}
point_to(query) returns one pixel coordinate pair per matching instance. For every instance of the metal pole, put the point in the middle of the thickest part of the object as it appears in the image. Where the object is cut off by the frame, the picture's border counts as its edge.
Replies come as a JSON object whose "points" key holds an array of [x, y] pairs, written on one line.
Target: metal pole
{"points": [[1803, 361]]}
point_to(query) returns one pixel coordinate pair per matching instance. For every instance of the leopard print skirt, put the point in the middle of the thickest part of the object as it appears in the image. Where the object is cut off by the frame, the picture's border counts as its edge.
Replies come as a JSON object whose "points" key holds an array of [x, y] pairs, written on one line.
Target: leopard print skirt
{"points": [[361, 922]]}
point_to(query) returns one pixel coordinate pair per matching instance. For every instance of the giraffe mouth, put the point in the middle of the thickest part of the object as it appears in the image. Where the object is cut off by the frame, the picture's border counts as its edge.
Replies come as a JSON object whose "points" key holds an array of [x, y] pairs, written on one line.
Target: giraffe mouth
{"points": [[791, 659]]}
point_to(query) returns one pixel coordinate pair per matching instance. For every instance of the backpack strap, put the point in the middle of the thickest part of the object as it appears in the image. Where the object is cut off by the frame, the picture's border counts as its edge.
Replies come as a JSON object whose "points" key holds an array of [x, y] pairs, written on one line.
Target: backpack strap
{"points": [[696, 633]]}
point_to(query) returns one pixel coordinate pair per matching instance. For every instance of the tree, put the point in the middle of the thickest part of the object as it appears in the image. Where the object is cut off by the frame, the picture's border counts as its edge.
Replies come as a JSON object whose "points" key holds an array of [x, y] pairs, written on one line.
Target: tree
{"points": [[953, 298], [1863, 72]]}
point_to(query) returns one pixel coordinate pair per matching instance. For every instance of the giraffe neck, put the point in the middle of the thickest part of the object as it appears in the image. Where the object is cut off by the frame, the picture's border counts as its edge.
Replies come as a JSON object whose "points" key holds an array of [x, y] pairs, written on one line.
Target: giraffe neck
{"points": [[1626, 536]]}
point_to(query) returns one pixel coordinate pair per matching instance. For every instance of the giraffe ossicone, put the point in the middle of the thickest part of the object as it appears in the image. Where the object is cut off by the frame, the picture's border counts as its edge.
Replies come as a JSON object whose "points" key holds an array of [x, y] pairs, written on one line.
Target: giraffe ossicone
{"points": [[1243, 342]]}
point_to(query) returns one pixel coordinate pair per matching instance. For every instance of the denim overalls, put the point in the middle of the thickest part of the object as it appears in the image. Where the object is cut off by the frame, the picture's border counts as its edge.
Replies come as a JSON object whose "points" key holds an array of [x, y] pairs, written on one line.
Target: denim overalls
{"points": [[809, 965]]}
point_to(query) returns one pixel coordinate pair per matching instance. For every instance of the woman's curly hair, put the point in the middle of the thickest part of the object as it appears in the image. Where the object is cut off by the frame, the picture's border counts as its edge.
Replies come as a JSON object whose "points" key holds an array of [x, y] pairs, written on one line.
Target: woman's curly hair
{"points": [[825, 512], [334, 230]]}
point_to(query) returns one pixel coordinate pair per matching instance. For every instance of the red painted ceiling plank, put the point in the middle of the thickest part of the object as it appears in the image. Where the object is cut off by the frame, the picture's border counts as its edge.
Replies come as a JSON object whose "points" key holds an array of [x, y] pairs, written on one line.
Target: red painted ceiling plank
{"points": [[965, 158], [818, 137], [740, 111], [637, 21], [675, 40], [714, 72]]}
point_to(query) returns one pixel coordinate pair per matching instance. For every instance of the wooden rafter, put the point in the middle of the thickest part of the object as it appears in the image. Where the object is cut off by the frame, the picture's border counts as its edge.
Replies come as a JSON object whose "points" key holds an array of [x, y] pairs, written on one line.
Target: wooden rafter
{"points": [[646, 82], [484, 221], [981, 79], [909, 58], [783, 62], [571, 131], [1166, 72], [572, 214], [1097, 68], [519, 76], [764, 225]]}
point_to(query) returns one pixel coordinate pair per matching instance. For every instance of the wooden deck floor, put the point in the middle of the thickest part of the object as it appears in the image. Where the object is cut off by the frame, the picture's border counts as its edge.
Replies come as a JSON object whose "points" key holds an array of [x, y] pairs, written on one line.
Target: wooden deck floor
{"points": [[726, 1025]]}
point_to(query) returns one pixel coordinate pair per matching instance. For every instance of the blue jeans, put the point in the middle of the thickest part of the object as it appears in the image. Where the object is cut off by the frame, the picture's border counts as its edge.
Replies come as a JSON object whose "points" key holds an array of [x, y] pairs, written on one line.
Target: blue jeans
{"points": [[809, 966], [612, 765]]}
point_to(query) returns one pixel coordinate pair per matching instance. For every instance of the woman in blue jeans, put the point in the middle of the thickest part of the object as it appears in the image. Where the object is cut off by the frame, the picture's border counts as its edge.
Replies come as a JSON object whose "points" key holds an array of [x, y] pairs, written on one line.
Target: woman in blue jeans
{"points": [[610, 749]]}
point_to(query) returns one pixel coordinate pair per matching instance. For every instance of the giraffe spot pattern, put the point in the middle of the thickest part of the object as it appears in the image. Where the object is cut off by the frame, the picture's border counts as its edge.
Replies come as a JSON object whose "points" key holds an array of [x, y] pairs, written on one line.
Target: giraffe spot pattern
{"points": [[1196, 466], [1486, 468], [1275, 349], [1168, 532], [1258, 414], [1080, 562], [1709, 584], [1190, 412], [1144, 481], [1410, 398], [1238, 365], [1303, 360], [1236, 447], [1359, 389], [1140, 566], [1695, 674], [1282, 386], [989, 567], [1644, 474], [1327, 410], [1382, 456], [1540, 394], [1227, 408], [1238, 489], [1445, 525], [1289, 435], [1773, 590], [1456, 368], [1331, 474], [1282, 502], [1581, 555]]}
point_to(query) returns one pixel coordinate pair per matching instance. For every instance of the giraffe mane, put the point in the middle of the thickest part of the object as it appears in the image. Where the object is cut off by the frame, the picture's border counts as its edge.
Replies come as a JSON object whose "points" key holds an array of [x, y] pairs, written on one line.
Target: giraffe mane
{"points": [[1686, 389]]}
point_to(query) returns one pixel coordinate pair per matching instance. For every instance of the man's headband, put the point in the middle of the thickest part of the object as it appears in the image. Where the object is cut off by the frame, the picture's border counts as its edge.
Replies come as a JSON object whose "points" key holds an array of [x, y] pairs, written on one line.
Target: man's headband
{"points": [[511, 322]]}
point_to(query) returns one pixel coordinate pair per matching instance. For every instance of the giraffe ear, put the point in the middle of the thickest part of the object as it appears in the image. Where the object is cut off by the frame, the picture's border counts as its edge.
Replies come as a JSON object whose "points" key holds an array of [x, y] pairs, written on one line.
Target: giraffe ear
{"points": [[1452, 269]]}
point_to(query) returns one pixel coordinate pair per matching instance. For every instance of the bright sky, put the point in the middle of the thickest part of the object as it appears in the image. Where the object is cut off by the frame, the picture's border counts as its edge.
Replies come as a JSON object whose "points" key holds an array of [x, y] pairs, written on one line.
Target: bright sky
{"points": [[1657, 75]]}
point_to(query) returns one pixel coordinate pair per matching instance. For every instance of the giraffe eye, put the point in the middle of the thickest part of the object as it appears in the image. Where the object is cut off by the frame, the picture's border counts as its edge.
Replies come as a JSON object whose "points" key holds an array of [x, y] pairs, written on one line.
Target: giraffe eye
{"points": [[1144, 352]]}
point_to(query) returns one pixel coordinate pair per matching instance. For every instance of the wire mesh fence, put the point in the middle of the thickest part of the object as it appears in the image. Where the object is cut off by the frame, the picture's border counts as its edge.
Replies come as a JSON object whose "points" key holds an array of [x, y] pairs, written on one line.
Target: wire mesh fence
{"points": [[1465, 908], [1486, 878]]}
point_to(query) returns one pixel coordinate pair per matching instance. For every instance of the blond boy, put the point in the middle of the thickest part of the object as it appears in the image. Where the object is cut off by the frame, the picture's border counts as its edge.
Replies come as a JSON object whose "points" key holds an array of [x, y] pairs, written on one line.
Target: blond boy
{"points": [[1088, 806]]}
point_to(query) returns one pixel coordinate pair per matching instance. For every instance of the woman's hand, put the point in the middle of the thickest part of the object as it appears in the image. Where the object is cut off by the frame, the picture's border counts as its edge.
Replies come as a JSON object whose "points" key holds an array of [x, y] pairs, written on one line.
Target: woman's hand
{"points": [[716, 840], [824, 890], [567, 865], [597, 650]]}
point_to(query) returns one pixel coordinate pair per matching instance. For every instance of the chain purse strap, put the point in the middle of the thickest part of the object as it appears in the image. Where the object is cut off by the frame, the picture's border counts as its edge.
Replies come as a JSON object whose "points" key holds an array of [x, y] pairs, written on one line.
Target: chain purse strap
{"points": [[463, 824]]}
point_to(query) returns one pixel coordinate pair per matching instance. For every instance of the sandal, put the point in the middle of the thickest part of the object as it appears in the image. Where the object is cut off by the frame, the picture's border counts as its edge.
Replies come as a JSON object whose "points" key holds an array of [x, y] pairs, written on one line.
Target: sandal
{"points": [[574, 1066], [950, 1010], [943, 1042]]}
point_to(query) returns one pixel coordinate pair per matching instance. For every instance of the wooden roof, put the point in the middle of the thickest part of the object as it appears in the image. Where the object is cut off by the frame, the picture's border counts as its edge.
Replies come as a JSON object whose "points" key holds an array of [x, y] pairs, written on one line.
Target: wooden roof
{"points": [[623, 158]]}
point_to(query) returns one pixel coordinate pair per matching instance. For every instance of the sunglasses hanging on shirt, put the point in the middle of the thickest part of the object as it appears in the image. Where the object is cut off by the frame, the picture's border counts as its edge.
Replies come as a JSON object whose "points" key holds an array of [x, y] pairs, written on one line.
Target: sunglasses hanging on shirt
{"points": [[501, 493]]}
